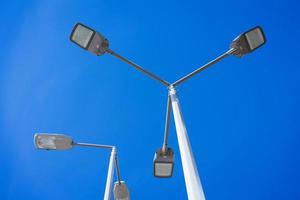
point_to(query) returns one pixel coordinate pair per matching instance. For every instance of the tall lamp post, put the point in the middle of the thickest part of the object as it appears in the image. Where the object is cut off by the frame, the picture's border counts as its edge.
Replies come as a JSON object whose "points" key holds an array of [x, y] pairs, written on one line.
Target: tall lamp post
{"points": [[245, 43], [63, 142]]}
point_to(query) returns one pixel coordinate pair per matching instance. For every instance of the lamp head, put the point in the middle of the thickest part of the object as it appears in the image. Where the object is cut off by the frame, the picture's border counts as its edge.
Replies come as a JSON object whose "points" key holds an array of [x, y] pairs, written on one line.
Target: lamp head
{"points": [[163, 163], [89, 39], [248, 41], [52, 141], [121, 191]]}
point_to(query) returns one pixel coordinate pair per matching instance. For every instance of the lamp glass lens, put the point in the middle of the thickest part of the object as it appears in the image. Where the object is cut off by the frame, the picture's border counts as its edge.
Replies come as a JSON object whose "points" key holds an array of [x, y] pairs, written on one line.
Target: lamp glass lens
{"points": [[163, 169], [46, 142], [255, 38], [82, 35], [121, 191]]}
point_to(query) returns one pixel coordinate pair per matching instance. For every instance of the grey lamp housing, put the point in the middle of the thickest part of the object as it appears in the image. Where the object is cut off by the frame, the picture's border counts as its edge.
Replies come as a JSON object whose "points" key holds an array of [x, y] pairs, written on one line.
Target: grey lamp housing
{"points": [[89, 39], [121, 191], [163, 163], [248, 41], [52, 141]]}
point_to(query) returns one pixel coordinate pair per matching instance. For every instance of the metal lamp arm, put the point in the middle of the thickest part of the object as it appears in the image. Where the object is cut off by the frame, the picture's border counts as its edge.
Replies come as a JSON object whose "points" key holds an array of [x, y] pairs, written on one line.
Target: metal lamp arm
{"points": [[113, 148], [93, 145], [167, 125], [200, 69], [141, 69], [117, 169]]}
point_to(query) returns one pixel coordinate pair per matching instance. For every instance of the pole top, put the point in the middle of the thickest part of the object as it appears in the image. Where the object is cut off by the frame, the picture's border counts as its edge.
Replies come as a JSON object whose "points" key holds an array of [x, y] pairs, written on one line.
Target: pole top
{"points": [[172, 89]]}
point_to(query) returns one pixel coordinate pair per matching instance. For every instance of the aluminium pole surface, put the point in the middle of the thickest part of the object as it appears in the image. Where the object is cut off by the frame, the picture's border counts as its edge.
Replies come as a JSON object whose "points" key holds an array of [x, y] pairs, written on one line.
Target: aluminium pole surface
{"points": [[110, 175], [191, 176]]}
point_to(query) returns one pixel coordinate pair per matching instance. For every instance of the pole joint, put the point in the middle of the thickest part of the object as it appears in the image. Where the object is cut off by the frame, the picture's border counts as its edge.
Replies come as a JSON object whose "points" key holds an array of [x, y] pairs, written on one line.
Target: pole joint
{"points": [[172, 90]]}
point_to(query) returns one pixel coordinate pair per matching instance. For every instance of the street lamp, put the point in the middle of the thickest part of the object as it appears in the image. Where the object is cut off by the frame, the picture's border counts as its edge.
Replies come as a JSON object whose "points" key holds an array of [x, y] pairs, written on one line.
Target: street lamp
{"points": [[163, 159], [53, 141], [95, 43], [248, 41], [121, 191], [163, 163], [62, 142], [89, 39]]}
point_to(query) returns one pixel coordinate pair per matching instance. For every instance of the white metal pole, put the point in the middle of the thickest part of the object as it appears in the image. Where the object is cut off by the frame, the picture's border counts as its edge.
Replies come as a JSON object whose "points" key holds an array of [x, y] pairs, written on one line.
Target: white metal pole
{"points": [[110, 175], [191, 176]]}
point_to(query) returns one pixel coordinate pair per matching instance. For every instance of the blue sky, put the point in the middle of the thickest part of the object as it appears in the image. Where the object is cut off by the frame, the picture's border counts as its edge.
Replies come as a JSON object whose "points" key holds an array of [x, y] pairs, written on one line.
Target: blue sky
{"points": [[242, 115]]}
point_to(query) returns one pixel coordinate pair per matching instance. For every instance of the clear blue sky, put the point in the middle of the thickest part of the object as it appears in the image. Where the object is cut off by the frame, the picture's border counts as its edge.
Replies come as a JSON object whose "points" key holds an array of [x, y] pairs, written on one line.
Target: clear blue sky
{"points": [[242, 115]]}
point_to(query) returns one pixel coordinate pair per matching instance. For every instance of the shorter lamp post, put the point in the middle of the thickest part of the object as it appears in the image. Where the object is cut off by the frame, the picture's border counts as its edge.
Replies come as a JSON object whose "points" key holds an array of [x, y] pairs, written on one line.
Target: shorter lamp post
{"points": [[63, 142]]}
